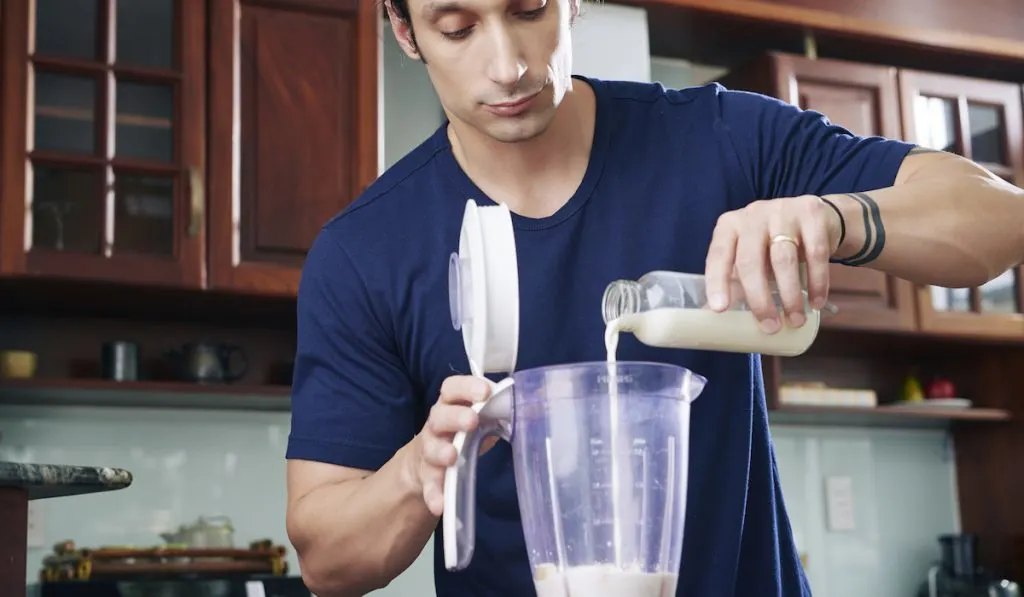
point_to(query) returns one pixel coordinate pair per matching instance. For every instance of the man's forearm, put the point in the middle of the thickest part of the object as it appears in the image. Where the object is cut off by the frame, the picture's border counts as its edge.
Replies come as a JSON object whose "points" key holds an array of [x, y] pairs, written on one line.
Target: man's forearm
{"points": [[950, 223], [357, 536]]}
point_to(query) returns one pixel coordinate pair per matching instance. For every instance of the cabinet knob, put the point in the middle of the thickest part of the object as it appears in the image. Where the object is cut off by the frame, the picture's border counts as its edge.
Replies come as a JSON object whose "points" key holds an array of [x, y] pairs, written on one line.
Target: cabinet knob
{"points": [[198, 201]]}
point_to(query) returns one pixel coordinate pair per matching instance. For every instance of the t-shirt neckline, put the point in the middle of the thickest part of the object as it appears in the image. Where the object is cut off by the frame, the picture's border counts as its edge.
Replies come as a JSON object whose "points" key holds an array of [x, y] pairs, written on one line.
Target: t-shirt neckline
{"points": [[595, 166]]}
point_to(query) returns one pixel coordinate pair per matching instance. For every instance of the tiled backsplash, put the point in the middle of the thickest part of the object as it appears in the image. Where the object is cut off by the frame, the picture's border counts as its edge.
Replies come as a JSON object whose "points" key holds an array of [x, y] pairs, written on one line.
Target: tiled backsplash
{"points": [[904, 496], [185, 464], [192, 463]]}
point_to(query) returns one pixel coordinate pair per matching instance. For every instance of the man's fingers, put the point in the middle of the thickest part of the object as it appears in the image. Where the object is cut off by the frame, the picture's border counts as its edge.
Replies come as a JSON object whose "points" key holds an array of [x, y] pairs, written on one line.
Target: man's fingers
{"points": [[447, 419], [751, 265], [720, 261], [766, 242], [785, 259], [433, 494], [817, 252], [438, 452], [464, 389]]}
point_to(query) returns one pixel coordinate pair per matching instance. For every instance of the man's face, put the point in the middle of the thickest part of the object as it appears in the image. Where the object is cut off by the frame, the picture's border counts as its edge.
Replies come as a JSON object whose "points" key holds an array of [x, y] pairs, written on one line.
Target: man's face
{"points": [[499, 66]]}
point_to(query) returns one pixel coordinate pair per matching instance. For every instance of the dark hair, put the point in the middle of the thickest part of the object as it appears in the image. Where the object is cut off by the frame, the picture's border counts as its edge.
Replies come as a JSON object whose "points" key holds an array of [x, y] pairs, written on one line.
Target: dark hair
{"points": [[401, 8]]}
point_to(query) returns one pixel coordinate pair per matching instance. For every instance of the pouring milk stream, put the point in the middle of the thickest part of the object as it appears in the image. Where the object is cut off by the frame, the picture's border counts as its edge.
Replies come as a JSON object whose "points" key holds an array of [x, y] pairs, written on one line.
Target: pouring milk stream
{"points": [[601, 487]]}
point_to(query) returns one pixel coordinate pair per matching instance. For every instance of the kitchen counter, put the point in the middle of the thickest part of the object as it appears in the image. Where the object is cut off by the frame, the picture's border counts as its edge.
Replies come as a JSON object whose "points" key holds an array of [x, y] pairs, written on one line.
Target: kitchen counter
{"points": [[21, 482], [56, 480]]}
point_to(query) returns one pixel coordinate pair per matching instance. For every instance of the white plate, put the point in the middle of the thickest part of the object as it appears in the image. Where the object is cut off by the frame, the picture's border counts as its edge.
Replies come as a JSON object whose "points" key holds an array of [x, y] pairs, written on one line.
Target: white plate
{"points": [[938, 403]]}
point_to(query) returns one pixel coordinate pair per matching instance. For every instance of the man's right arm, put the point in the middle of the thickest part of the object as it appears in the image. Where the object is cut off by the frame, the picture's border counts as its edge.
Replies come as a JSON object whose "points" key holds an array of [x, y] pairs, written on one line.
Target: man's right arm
{"points": [[356, 513], [355, 531]]}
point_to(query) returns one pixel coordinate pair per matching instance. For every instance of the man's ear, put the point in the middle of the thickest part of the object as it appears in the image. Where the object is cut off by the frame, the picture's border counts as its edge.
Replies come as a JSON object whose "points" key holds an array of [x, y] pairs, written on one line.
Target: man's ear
{"points": [[402, 31]]}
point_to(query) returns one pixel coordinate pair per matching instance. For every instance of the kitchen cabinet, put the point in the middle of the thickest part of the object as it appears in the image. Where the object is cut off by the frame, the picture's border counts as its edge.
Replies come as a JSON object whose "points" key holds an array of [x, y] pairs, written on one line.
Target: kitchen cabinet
{"points": [[976, 118], [980, 120], [185, 143], [103, 142], [293, 131]]}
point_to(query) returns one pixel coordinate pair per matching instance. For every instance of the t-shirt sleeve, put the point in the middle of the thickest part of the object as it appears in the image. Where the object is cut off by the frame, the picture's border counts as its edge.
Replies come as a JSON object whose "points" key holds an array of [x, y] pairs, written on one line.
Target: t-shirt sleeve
{"points": [[785, 151], [352, 400]]}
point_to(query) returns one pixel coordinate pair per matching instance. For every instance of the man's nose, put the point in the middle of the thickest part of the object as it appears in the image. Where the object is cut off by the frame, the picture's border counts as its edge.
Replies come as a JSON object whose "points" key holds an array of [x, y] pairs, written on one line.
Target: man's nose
{"points": [[506, 66]]}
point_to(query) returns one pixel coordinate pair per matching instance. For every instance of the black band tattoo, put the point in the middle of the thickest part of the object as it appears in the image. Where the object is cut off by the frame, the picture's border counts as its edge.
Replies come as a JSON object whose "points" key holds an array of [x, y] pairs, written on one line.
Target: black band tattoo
{"points": [[866, 247], [874, 232], [842, 224]]}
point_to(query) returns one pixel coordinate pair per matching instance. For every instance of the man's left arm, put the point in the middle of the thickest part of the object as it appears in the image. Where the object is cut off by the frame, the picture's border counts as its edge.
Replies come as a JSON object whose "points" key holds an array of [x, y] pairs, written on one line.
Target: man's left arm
{"points": [[822, 194], [945, 221]]}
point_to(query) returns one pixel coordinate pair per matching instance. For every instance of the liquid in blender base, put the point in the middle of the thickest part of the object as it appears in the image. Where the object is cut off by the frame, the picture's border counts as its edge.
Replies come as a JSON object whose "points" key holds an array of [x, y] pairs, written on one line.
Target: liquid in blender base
{"points": [[597, 580]]}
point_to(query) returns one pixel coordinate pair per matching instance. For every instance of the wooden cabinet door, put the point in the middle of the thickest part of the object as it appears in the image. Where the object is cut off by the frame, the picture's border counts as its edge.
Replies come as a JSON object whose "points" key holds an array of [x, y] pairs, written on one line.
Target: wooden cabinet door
{"points": [[981, 120], [103, 146], [864, 99], [293, 131]]}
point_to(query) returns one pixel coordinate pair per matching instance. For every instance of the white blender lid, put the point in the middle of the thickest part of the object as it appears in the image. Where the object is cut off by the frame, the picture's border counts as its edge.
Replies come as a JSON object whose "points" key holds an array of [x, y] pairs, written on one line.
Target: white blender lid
{"points": [[483, 289]]}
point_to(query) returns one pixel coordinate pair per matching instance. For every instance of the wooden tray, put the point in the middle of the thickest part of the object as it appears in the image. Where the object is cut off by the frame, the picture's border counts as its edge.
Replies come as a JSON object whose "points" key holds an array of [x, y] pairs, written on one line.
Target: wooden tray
{"points": [[69, 563]]}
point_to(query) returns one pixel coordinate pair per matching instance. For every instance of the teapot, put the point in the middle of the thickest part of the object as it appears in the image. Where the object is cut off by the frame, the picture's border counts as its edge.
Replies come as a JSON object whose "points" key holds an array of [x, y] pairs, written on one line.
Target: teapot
{"points": [[207, 532], [208, 362]]}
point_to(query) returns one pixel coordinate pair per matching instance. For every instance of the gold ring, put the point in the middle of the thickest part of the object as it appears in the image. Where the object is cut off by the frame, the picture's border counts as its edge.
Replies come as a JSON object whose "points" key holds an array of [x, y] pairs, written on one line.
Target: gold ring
{"points": [[783, 238]]}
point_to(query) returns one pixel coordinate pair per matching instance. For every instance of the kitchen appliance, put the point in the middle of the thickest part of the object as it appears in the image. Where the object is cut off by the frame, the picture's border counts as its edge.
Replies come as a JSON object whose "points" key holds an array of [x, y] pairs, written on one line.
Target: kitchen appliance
{"points": [[119, 361], [208, 362], [600, 449], [958, 574], [231, 586]]}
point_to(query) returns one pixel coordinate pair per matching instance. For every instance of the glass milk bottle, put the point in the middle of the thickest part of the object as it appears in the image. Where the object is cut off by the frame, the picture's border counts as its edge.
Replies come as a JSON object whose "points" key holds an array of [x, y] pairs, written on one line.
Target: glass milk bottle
{"points": [[669, 310]]}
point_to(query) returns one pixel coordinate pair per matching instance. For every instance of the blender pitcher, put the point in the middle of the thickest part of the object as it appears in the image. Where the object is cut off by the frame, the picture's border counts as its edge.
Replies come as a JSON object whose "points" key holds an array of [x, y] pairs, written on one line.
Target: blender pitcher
{"points": [[600, 449]]}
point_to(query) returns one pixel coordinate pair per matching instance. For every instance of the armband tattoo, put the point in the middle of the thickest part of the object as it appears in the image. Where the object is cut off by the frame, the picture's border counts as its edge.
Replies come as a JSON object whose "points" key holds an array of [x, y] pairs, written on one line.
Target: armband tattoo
{"points": [[874, 232]]}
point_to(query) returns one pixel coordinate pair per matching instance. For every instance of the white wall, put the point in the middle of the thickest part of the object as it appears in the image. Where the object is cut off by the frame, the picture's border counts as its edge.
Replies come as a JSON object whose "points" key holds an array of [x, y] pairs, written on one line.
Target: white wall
{"points": [[411, 109], [610, 41]]}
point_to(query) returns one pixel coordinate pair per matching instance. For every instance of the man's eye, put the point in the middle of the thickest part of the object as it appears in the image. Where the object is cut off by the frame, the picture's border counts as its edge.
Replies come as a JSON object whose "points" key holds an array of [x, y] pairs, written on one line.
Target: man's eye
{"points": [[457, 35], [533, 14]]}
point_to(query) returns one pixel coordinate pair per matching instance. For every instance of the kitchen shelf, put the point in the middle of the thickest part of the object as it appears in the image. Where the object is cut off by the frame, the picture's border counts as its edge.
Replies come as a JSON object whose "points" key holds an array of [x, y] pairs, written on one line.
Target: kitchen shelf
{"points": [[884, 416], [143, 394], [171, 394]]}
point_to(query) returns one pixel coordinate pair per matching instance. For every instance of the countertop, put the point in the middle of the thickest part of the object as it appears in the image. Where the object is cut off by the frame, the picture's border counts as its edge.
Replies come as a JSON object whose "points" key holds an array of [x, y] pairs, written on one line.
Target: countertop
{"points": [[56, 480]]}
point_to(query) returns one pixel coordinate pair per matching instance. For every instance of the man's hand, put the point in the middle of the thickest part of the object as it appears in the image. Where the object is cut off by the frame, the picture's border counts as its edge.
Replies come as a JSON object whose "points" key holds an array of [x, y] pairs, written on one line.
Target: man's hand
{"points": [[451, 414], [766, 241]]}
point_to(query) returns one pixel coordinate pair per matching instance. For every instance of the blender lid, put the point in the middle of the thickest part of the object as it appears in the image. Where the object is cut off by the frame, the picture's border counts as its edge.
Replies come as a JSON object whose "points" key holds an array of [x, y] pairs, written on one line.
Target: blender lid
{"points": [[483, 289]]}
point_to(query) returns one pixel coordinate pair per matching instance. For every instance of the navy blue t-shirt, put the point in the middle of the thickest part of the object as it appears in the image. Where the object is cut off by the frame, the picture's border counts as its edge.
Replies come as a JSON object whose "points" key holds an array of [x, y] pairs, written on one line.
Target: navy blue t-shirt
{"points": [[375, 338]]}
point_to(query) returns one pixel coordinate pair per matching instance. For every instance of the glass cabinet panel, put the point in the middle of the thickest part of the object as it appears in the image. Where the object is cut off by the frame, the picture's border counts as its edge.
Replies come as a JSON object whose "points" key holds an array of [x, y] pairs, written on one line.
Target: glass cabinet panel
{"points": [[974, 119], [68, 29], [146, 33], [105, 161], [936, 123], [144, 127], [145, 213], [65, 113], [988, 134], [67, 208], [1001, 295], [951, 299]]}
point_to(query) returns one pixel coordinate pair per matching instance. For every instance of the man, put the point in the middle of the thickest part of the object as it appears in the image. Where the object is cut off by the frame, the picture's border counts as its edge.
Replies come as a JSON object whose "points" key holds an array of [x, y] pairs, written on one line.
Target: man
{"points": [[605, 180]]}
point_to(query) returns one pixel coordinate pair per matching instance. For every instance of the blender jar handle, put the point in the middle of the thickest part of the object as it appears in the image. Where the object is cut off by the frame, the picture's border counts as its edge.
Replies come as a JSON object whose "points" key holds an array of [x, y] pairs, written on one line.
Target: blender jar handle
{"points": [[459, 518]]}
